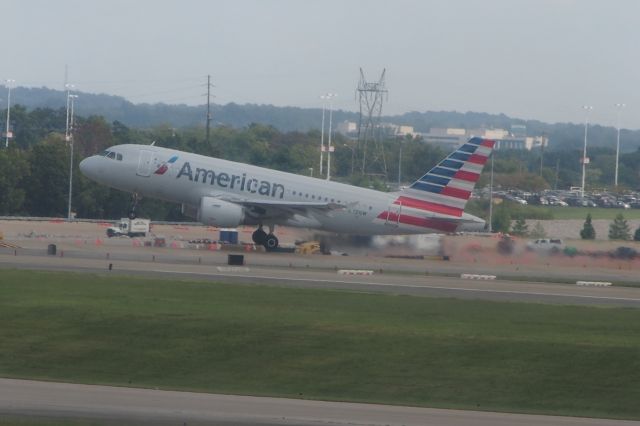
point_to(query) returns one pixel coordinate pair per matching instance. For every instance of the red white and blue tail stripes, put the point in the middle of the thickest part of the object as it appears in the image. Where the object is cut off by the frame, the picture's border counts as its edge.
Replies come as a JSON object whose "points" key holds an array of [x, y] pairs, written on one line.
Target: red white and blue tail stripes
{"points": [[446, 188]]}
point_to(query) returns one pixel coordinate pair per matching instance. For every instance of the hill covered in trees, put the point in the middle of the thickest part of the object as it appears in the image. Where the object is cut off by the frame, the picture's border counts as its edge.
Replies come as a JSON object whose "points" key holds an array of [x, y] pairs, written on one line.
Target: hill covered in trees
{"points": [[286, 119]]}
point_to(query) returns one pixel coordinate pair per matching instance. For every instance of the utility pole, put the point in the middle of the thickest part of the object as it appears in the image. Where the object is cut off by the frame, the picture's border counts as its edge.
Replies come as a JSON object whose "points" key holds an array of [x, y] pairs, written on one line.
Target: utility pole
{"points": [[208, 106]]}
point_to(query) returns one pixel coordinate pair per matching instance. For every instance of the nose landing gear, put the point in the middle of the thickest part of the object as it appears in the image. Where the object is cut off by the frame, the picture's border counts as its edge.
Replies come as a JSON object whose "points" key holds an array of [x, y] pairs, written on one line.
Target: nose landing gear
{"points": [[134, 204]]}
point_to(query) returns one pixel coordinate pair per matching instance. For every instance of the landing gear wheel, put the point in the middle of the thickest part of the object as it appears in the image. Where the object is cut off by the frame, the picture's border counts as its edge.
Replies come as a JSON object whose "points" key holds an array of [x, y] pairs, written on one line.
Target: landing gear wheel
{"points": [[325, 247], [259, 237], [271, 243]]}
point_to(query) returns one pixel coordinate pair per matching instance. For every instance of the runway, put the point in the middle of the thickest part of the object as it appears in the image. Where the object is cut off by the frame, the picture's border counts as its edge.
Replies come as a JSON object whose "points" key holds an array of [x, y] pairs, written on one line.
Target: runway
{"points": [[144, 406], [115, 405], [327, 278]]}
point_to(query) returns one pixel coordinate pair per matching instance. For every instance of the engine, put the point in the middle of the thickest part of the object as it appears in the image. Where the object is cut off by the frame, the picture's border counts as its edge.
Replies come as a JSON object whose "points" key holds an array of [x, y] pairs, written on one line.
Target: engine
{"points": [[216, 212]]}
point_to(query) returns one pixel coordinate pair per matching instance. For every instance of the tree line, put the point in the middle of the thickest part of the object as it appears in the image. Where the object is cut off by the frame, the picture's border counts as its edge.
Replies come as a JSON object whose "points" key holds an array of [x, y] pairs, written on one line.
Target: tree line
{"points": [[34, 171]]}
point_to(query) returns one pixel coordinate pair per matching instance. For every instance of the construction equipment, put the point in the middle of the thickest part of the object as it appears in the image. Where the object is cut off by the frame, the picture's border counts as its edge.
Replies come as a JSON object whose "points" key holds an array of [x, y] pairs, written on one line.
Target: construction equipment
{"points": [[308, 247]]}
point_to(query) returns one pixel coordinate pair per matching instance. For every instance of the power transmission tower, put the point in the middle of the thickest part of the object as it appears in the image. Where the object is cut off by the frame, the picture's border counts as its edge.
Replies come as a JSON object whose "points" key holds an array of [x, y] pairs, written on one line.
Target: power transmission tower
{"points": [[371, 96], [208, 107]]}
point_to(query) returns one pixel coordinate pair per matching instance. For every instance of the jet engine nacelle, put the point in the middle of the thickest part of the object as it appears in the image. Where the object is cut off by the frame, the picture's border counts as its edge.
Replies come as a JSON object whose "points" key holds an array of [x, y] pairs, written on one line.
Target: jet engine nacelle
{"points": [[216, 212]]}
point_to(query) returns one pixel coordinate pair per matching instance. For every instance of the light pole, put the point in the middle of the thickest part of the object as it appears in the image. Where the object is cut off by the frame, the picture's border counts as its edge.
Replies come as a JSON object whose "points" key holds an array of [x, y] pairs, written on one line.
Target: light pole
{"points": [[66, 126], [352, 155], [7, 134], [324, 104], [71, 99], [400, 165], [329, 147], [619, 108], [585, 160], [491, 197]]}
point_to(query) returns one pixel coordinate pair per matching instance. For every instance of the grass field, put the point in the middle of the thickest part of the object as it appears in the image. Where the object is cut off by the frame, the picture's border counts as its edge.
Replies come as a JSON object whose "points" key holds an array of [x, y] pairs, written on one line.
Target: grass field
{"points": [[320, 344]]}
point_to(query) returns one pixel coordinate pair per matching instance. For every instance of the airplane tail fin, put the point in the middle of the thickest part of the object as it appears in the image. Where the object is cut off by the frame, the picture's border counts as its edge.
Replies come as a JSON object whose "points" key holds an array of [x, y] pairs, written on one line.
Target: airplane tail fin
{"points": [[446, 188]]}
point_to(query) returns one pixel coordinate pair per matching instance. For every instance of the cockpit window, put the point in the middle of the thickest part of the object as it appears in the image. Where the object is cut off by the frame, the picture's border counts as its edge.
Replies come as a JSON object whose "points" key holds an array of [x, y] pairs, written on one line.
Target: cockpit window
{"points": [[111, 154]]}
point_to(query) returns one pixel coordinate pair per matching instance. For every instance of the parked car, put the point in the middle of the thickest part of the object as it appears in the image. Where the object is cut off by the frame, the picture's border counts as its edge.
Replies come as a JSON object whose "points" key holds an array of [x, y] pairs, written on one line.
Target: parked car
{"points": [[622, 205], [546, 245]]}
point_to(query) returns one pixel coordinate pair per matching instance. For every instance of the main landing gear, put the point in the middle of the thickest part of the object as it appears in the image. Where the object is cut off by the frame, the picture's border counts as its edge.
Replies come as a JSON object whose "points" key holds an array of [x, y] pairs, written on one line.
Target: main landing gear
{"points": [[269, 241], [134, 204]]}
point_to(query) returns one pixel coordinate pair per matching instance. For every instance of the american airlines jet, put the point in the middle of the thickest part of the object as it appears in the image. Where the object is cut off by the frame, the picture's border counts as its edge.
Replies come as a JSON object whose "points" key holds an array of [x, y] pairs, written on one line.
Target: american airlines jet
{"points": [[227, 194]]}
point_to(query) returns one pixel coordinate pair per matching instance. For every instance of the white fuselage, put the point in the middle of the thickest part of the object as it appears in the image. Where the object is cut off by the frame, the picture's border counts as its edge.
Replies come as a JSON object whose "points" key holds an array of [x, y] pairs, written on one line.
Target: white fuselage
{"points": [[147, 171]]}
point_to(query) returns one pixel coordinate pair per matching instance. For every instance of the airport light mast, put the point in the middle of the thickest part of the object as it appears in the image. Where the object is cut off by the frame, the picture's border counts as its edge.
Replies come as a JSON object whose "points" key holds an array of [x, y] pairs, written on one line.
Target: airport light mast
{"points": [[619, 107], [69, 87], [8, 134], [491, 195], [71, 99], [585, 160], [329, 147], [324, 104]]}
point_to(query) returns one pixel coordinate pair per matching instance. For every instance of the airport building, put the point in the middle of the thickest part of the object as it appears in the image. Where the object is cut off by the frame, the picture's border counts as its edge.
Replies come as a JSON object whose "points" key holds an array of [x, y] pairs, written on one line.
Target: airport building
{"points": [[350, 129], [515, 138], [347, 128], [450, 138]]}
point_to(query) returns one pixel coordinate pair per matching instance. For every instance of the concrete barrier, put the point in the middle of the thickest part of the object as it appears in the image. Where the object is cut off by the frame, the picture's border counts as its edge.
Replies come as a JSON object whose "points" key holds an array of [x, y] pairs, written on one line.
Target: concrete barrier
{"points": [[477, 277], [354, 272], [594, 283]]}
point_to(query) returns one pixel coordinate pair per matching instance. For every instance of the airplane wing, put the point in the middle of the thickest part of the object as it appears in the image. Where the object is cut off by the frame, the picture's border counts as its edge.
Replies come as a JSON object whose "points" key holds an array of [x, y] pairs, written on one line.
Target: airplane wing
{"points": [[263, 209]]}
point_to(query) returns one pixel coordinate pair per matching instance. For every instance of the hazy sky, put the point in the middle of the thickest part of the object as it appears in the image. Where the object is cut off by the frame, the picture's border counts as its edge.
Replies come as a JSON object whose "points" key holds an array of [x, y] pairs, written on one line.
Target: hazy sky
{"points": [[534, 59]]}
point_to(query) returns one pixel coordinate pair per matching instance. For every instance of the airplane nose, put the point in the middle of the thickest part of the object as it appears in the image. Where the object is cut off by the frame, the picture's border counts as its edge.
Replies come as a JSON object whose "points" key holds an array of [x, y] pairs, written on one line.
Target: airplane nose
{"points": [[83, 166], [87, 167]]}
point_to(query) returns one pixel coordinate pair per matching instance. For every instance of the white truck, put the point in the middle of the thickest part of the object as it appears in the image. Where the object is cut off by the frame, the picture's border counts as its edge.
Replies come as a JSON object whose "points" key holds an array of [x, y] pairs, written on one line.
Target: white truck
{"points": [[130, 227], [552, 245]]}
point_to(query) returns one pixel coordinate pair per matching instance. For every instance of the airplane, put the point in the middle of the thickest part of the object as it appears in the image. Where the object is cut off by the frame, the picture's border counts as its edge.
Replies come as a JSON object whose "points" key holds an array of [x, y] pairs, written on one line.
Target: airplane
{"points": [[224, 193]]}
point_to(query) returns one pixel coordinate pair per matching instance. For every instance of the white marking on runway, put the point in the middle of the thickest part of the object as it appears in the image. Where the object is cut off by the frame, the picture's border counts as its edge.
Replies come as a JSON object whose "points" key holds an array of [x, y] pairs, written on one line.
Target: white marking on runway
{"points": [[479, 290]]}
